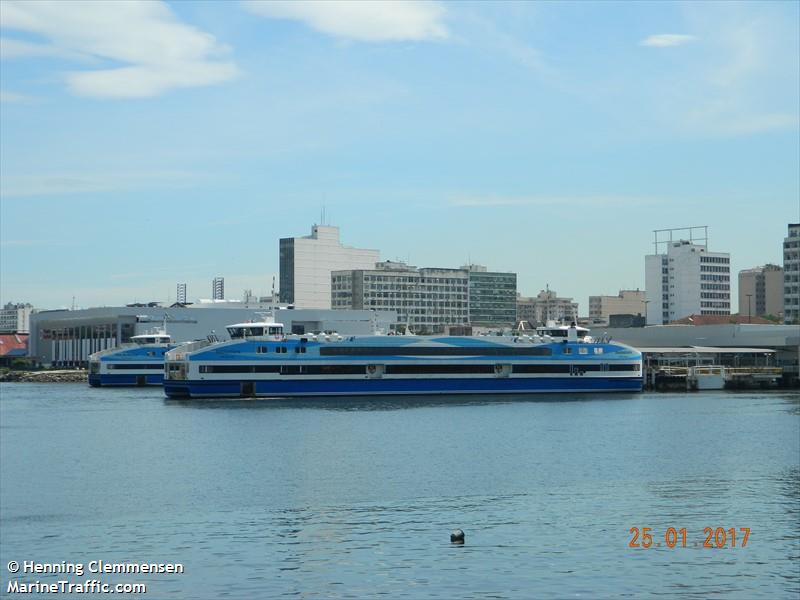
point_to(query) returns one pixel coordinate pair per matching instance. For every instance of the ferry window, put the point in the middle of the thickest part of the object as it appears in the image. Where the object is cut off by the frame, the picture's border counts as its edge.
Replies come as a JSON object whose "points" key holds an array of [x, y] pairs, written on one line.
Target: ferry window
{"points": [[274, 330], [598, 350], [623, 367], [255, 331], [414, 350], [261, 350], [583, 351], [541, 368], [235, 332], [471, 369], [567, 350]]}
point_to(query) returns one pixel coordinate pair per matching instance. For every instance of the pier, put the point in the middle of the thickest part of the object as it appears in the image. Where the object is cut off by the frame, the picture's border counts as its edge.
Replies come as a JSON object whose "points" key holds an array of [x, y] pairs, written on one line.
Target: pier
{"points": [[708, 368]]}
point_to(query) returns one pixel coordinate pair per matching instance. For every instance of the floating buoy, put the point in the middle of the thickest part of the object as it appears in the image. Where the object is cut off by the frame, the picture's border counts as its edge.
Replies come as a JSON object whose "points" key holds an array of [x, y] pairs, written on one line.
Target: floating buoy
{"points": [[457, 537]]}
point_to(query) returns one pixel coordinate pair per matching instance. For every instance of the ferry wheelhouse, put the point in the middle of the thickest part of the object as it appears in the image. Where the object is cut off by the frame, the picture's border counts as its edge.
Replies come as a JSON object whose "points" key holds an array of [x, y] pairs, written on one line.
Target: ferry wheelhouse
{"points": [[139, 363], [260, 360]]}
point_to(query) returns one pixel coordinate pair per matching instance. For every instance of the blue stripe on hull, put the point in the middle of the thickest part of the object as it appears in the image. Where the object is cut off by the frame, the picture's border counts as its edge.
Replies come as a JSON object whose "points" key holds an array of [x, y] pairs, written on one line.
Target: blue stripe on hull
{"points": [[350, 387], [125, 380]]}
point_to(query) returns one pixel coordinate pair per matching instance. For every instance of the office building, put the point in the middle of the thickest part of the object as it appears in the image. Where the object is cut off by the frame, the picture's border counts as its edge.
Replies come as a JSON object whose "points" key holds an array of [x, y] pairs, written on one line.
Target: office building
{"points": [[306, 264], [761, 291], [15, 318], [492, 297], [546, 306], [686, 279], [180, 298], [791, 275], [627, 302], [428, 300], [218, 288]]}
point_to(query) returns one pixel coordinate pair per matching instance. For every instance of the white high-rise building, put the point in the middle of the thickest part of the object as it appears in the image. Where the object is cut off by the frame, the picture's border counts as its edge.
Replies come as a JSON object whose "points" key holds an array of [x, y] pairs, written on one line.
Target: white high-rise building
{"points": [[687, 280], [15, 318], [218, 288], [306, 264]]}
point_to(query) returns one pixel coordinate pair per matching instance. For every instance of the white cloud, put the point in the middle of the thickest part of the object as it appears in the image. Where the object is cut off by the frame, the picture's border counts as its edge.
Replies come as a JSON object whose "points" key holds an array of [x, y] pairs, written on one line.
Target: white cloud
{"points": [[565, 201], [55, 184], [374, 21], [13, 48], [11, 97], [662, 40], [158, 52]]}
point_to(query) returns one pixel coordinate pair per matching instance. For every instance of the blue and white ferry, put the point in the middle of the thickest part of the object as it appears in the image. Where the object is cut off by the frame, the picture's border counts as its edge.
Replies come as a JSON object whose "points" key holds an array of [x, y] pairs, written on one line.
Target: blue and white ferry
{"points": [[260, 360], [140, 362]]}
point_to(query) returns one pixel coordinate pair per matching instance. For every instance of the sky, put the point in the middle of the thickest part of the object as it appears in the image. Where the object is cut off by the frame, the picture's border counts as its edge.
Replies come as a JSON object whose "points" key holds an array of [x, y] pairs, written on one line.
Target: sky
{"points": [[143, 144]]}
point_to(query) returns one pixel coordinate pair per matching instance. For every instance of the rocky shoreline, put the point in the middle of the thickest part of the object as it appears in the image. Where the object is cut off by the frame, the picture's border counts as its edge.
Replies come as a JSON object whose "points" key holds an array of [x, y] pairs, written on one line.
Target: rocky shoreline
{"points": [[62, 376]]}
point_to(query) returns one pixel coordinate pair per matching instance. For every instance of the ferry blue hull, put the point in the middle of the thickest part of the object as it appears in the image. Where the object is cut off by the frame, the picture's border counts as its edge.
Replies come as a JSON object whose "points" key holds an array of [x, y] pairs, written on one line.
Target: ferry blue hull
{"points": [[126, 380], [421, 386]]}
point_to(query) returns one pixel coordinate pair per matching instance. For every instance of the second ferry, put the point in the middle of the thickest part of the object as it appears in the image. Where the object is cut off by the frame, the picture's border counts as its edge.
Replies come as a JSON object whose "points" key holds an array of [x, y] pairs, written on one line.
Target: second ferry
{"points": [[139, 363], [260, 360]]}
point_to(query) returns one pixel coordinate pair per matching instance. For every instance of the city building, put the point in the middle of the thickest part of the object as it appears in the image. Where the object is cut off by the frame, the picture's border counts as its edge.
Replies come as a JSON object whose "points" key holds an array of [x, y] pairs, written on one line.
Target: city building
{"points": [[791, 275], [15, 318], [686, 279], [492, 297], [428, 300], [546, 306], [627, 302], [66, 338], [180, 298], [218, 288], [761, 291], [306, 264]]}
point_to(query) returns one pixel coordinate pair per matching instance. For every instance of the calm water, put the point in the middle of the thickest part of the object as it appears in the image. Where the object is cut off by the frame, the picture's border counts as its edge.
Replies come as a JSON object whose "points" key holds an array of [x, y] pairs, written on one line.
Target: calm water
{"points": [[330, 499]]}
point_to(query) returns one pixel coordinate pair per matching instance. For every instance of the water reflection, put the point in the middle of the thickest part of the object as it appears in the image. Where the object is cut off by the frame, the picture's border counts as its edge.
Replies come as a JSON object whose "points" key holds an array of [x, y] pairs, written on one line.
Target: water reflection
{"points": [[394, 402]]}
